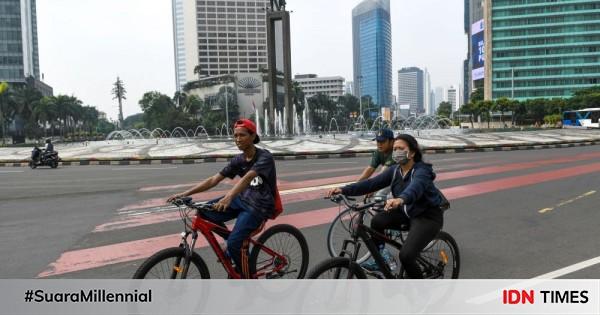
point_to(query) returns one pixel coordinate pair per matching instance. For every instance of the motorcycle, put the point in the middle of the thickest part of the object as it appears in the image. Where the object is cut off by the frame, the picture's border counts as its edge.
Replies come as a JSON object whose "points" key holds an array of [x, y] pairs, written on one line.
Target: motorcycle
{"points": [[40, 158]]}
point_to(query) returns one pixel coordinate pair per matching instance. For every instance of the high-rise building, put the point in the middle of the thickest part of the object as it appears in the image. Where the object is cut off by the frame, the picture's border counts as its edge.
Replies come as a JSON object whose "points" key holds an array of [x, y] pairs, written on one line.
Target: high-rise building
{"points": [[214, 38], [473, 66], [19, 60], [427, 92], [18, 41], [541, 49], [452, 96], [410, 89], [312, 85], [372, 52]]}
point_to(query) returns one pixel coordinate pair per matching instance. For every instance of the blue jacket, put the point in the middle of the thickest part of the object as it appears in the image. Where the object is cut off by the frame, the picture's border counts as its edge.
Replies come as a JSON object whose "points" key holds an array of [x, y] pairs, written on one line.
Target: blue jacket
{"points": [[416, 188]]}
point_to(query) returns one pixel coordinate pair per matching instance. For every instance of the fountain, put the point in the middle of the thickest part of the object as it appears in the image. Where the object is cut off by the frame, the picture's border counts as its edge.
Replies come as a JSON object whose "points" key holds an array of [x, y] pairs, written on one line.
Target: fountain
{"points": [[336, 125], [257, 122], [305, 119]]}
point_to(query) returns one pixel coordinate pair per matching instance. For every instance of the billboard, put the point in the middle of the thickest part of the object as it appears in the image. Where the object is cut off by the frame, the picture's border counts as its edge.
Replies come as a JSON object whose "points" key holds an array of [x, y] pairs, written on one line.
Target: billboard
{"points": [[477, 50]]}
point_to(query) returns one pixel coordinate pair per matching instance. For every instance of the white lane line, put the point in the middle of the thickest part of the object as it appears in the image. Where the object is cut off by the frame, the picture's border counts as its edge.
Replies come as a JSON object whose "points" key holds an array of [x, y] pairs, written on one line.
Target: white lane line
{"points": [[488, 297], [570, 269], [327, 163], [2, 172], [307, 189], [143, 168]]}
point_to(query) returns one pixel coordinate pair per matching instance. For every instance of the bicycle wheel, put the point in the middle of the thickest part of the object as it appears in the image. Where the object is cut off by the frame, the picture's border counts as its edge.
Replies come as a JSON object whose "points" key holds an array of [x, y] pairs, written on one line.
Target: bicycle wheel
{"points": [[339, 230], [168, 264], [337, 268], [441, 259], [287, 241]]}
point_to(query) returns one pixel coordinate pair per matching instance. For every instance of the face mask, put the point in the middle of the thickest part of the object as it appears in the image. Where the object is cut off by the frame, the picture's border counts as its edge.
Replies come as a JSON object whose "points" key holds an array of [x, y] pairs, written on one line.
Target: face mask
{"points": [[400, 157]]}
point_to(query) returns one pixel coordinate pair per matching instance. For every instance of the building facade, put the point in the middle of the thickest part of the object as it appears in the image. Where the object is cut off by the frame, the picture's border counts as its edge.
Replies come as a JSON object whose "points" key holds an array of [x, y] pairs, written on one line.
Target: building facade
{"points": [[452, 96], [541, 48], [372, 52], [312, 85], [411, 88], [18, 41], [427, 92], [214, 38], [473, 66]]}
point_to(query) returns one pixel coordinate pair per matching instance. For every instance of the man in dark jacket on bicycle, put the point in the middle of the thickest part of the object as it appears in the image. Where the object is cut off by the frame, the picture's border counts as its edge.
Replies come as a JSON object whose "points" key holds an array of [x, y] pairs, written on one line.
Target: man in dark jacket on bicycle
{"points": [[251, 201]]}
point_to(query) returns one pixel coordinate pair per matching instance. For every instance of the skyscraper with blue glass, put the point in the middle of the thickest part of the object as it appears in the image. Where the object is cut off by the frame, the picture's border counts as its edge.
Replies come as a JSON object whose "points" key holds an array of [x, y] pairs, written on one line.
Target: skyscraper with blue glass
{"points": [[372, 49]]}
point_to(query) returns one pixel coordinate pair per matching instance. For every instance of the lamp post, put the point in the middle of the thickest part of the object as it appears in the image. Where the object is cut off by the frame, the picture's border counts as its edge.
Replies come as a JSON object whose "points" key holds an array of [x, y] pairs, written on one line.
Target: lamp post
{"points": [[360, 79], [512, 83]]}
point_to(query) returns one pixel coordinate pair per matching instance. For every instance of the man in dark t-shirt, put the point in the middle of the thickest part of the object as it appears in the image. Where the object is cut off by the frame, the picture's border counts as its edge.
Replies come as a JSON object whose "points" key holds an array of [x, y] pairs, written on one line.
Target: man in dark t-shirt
{"points": [[251, 201], [383, 155]]}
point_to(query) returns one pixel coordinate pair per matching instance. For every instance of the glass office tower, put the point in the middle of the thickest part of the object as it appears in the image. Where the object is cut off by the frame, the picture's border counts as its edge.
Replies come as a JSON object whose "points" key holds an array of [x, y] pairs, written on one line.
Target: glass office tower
{"points": [[372, 52], [543, 48]]}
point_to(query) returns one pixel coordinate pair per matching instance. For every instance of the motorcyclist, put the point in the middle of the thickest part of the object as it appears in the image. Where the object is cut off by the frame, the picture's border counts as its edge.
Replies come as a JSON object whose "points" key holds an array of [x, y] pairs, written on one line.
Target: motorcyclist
{"points": [[49, 148]]}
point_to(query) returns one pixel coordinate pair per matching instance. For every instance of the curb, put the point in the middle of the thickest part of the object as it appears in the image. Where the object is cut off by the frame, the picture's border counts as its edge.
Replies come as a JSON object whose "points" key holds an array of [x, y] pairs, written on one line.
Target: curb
{"points": [[312, 156]]}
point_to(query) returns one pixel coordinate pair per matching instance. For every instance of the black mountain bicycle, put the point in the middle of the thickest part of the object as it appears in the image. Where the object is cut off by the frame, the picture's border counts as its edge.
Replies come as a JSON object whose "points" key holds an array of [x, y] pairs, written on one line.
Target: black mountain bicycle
{"points": [[438, 260]]}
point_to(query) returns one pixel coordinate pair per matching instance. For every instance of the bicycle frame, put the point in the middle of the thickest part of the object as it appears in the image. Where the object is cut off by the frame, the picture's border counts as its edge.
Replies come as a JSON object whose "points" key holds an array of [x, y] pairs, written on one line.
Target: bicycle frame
{"points": [[366, 234], [208, 230]]}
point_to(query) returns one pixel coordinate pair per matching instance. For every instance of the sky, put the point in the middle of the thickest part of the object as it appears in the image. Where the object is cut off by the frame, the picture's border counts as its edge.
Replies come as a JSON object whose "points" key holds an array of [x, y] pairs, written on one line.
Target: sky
{"points": [[85, 44]]}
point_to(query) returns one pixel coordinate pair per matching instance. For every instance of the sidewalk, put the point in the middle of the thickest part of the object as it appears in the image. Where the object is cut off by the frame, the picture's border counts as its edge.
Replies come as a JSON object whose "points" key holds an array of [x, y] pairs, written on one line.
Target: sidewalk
{"points": [[183, 151]]}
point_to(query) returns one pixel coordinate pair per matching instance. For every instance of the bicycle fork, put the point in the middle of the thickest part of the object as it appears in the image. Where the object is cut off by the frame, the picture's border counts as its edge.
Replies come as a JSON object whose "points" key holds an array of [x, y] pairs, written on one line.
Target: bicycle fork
{"points": [[188, 252]]}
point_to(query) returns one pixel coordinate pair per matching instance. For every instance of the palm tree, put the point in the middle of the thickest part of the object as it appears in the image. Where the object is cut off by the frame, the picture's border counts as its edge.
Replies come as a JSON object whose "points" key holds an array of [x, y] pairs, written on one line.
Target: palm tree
{"points": [[119, 93], [4, 108], [25, 99], [45, 113]]}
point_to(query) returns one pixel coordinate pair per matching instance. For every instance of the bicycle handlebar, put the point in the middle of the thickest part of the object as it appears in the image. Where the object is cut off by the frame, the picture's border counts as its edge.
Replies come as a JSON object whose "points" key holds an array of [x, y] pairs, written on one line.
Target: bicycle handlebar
{"points": [[351, 202], [188, 201]]}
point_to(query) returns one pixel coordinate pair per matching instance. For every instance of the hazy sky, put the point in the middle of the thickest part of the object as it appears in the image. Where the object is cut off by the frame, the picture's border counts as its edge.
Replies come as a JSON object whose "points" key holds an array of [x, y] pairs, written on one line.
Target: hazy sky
{"points": [[85, 44]]}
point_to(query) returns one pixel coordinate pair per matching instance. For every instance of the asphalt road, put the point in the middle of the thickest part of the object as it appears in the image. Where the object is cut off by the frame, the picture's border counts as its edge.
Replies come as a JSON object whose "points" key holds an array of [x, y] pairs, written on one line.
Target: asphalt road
{"points": [[518, 214]]}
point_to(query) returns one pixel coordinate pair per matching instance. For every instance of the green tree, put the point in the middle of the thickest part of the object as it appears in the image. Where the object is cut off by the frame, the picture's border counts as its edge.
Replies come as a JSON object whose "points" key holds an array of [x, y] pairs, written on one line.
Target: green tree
{"points": [[119, 93], [484, 109], [26, 98], [132, 120], [46, 113], [444, 109], [157, 109], [298, 98], [89, 118], [472, 110], [477, 95], [6, 108], [502, 105], [536, 109], [585, 98], [228, 95], [191, 105], [68, 110]]}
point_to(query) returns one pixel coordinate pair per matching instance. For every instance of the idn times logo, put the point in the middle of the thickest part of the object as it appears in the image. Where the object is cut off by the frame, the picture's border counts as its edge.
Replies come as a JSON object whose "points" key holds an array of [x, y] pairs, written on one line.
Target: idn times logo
{"points": [[545, 296]]}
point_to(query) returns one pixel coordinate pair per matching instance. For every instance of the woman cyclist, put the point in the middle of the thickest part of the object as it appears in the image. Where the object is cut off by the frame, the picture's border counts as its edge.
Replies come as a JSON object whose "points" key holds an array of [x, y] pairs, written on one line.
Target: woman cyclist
{"points": [[416, 202]]}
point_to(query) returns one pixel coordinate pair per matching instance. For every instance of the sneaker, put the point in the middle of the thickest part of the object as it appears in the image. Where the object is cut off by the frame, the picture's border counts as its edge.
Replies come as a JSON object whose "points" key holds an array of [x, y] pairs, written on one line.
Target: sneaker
{"points": [[371, 265]]}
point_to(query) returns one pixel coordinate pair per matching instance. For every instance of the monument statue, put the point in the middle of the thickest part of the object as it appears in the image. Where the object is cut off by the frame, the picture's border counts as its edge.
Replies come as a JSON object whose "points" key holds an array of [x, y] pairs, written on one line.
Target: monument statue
{"points": [[277, 5]]}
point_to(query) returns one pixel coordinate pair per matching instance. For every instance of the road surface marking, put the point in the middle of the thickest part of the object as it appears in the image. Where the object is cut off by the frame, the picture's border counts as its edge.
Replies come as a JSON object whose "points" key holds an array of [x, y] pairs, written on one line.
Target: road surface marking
{"points": [[143, 168], [587, 194]]}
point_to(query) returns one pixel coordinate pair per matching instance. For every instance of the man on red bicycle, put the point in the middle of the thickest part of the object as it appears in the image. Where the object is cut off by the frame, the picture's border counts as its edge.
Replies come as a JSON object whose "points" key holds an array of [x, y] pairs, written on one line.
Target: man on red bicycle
{"points": [[252, 201]]}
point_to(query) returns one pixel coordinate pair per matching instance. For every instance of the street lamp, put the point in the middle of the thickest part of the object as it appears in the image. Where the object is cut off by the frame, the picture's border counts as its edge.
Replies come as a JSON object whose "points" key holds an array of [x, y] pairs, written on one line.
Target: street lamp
{"points": [[360, 79]]}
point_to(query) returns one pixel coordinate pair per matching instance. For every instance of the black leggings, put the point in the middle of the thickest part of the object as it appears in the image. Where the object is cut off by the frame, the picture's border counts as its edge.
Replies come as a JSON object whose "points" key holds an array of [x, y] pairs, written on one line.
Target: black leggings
{"points": [[423, 229]]}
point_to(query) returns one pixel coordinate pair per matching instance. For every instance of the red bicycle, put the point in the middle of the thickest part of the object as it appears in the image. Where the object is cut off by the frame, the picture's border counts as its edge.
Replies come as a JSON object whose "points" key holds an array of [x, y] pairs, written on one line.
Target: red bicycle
{"points": [[280, 252]]}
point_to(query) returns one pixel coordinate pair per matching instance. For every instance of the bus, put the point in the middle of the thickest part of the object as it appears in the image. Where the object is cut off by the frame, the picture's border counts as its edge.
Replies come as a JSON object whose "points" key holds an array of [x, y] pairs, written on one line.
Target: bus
{"points": [[584, 118]]}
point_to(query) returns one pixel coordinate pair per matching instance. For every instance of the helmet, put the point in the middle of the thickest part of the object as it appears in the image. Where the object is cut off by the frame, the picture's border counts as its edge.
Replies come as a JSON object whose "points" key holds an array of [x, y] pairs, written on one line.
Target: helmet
{"points": [[48, 140]]}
